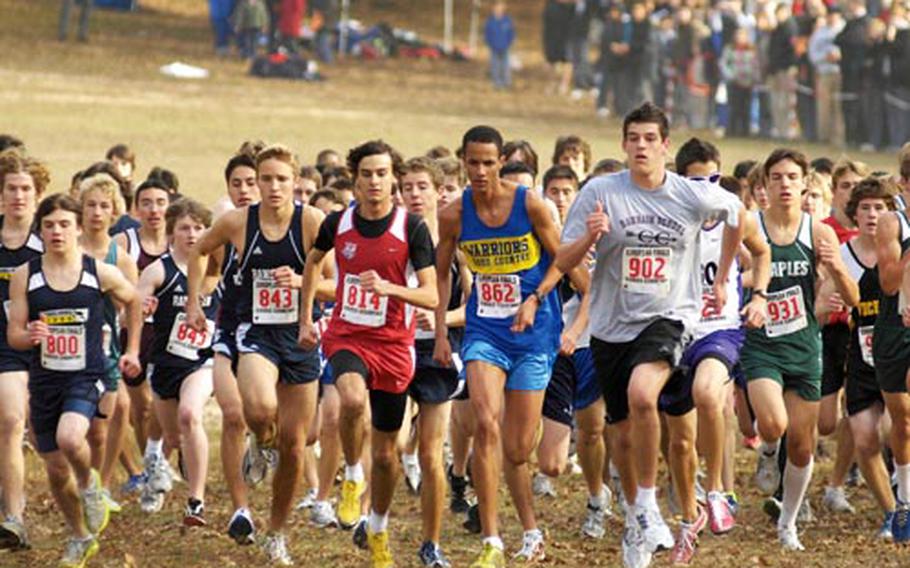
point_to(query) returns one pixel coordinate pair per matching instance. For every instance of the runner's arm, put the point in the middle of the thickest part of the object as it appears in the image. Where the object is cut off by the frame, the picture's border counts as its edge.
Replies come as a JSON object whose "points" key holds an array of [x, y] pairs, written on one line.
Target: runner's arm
{"points": [[831, 265], [118, 285], [17, 330], [423, 296], [229, 228], [586, 222], [449, 224], [310, 284], [891, 263], [545, 229]]}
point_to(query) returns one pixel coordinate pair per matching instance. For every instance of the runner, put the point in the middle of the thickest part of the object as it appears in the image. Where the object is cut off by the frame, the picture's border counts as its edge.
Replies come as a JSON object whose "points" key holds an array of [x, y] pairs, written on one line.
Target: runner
{"points": [[145, 245], [277, 379], [573, 391], [710, 359], [869, 202], [891, 353], [180, 375], [644, 223], [782, 362], [512, 328], [23, 180], [240, 177], [101, 203], [385, 270], [434, 386], [57, 312]]}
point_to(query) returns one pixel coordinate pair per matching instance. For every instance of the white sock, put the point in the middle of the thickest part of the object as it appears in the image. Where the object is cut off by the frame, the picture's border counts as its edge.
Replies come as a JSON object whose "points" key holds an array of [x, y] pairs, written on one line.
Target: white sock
{"points": [[494, 541], [903, 482], [378, 523], [354, 472], [154, 448], [796, 482], [769, 449], [409, 459], [596, 501], [646, 497]]}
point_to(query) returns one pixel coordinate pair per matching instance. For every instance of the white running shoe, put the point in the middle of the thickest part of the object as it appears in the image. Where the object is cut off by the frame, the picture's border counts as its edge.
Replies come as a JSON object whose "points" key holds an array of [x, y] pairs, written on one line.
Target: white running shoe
{"points": [[789, 540], [412, 474], [308, 500], [656, 533], [322, 515], [767, 474], [151, 501], [835, 500], [276, 548], [542, 486], [159, 473], [94, 507], [531, 548], [593, 526], [635, 551]]}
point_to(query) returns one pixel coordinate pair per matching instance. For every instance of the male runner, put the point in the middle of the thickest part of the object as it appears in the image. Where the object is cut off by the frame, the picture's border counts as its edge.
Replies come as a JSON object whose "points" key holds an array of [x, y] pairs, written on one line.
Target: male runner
{"points": [[277, 379], [507, 235], [385, 269], [871, 200], [644, 223], [57, 312], [782, 362], [181, 377], [22, 182]]}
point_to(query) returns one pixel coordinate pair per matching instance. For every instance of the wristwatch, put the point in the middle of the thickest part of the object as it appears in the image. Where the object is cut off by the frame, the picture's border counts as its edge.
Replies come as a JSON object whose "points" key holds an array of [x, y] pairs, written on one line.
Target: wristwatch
{"points": [[539, 297], [760, 292]]}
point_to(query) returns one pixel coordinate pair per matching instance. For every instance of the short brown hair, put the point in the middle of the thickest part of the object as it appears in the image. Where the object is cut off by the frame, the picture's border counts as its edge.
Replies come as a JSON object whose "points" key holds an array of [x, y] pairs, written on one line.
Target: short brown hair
{"points": [[756, 177], [57, 201], [647, 113], [123, 152], [12, 162], [846, 166], [423, 164], [781, 154], [452, 167], [186, 207], [871, 188], [278, 152], [523, 146], [574, 144], [311, 173]]}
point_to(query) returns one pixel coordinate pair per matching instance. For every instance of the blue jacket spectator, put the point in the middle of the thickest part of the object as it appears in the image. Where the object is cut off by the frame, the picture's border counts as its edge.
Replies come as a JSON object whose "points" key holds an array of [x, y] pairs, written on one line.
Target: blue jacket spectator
{"points": [[499, 32]]}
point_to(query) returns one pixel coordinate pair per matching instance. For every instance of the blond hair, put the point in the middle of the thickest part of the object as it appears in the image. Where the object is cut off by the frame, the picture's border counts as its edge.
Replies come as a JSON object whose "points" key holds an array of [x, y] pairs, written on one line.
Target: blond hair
{"points": [[815, 180], [108, 187], [281, 153]]}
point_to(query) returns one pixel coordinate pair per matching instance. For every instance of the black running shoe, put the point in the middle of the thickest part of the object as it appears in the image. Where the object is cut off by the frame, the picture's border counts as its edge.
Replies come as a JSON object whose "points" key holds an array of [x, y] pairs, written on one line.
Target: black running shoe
{"points": [[194, 514], [431, 555], [472, 522], [458, 502], [241, 528], [360, 534]]}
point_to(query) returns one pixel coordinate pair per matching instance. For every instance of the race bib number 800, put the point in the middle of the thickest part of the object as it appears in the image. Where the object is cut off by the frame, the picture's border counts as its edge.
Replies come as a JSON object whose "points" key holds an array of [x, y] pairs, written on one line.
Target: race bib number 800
{"points": [[646, 270], [64, 348], [498, 295]]}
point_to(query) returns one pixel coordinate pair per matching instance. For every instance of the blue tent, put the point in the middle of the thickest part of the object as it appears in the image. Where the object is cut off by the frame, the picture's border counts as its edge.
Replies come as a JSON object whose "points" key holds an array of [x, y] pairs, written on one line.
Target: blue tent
{"points": [[117, 4]]}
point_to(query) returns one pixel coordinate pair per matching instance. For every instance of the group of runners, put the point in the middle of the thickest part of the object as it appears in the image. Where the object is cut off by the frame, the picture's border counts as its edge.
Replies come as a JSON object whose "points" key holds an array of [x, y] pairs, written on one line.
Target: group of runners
{"points": [[645, 312]]}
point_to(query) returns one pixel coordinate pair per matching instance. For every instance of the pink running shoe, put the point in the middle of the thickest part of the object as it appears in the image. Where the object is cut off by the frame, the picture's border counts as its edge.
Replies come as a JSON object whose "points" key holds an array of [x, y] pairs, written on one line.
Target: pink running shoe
{"points": [[722, 519], [686, 542]]}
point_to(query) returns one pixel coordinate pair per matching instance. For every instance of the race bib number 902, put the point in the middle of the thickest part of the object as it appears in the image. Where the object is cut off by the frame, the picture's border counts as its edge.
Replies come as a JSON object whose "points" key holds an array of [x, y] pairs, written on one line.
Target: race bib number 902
{"points": [[646, 270]]}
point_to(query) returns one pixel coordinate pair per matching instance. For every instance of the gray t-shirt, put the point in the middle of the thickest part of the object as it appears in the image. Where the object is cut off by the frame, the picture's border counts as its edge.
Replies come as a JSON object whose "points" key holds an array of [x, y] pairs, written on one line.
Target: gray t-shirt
{"points": [[648, 264]]}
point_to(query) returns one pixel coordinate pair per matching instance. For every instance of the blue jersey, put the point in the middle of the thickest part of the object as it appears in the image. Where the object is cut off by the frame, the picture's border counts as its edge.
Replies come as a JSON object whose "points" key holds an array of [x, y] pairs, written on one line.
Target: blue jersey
{"points": [[75, 319], [508, 263], [230, 290], [10, 260], [261, 301], [176, 344]]}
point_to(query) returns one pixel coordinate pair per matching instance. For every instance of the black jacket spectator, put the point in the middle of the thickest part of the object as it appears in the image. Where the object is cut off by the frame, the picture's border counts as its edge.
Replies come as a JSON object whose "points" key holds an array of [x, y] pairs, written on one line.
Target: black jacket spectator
{"points": [[781, 55]]}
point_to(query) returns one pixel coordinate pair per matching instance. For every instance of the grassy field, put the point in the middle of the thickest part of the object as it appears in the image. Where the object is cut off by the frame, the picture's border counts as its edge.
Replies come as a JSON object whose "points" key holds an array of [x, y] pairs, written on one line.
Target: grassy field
{"points": [[70, 102]]}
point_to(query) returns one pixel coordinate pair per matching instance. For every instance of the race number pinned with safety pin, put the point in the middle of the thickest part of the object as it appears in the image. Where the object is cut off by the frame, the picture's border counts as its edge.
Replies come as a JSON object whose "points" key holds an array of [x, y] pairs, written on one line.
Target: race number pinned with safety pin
{"points": [[498, 295], [786, 312], [646, 270], [274, 304]]}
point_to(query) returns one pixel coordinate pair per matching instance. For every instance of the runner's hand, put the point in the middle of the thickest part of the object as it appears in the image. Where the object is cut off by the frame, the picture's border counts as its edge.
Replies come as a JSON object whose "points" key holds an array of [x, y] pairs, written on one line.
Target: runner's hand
{"points": [[372, 282], [149, 306], [567, 342], [195, 317], [308, 338], [286, 278], [718, 298], [442, 351], [836, 303], [825, 253], [426, 321], [525, 316], [38, 331], [905, 316], [129, 365], [755, 312], [598, 223]]}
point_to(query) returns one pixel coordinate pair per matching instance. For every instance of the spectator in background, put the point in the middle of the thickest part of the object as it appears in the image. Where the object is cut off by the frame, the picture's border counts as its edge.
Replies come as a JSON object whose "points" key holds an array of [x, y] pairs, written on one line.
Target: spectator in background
{"points": [[10, 142], [220, 17], [578, 47], [764, 25], [614, 52], [878, 73], [852, 42], [739, 67], [642, 51], [897, 100], [290, 16], [557, 22], [499, 34], [325, 22], [124, 159], [825, 57], [813, 13], [251, 21], [782, 71], [66, 8]]}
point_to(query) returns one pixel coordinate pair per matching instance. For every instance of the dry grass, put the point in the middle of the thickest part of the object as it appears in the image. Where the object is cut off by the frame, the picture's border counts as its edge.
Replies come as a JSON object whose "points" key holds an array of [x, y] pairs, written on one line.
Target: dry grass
{"points": [[70, 102]]}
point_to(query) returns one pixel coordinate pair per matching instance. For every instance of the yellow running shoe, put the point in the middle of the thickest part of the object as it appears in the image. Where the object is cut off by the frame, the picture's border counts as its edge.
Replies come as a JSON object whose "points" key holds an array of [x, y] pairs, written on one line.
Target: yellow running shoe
{"points": [[78, 552], [349, 506], [94, 507], [490, 557], [380, 555]]}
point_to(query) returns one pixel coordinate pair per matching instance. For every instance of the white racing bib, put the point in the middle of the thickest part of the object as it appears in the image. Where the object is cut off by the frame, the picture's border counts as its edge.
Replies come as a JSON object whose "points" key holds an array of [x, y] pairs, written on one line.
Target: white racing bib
{"points": [[498, 295], [64, 348], [361, 307], [274, 304], [786, 312], [865, 344], [106, 339], [185, 341], [646, 270]]}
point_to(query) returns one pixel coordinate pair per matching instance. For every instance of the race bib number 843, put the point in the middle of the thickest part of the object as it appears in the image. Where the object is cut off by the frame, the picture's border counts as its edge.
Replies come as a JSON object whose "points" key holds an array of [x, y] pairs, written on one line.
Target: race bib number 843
{"points": [[273, 304]]}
